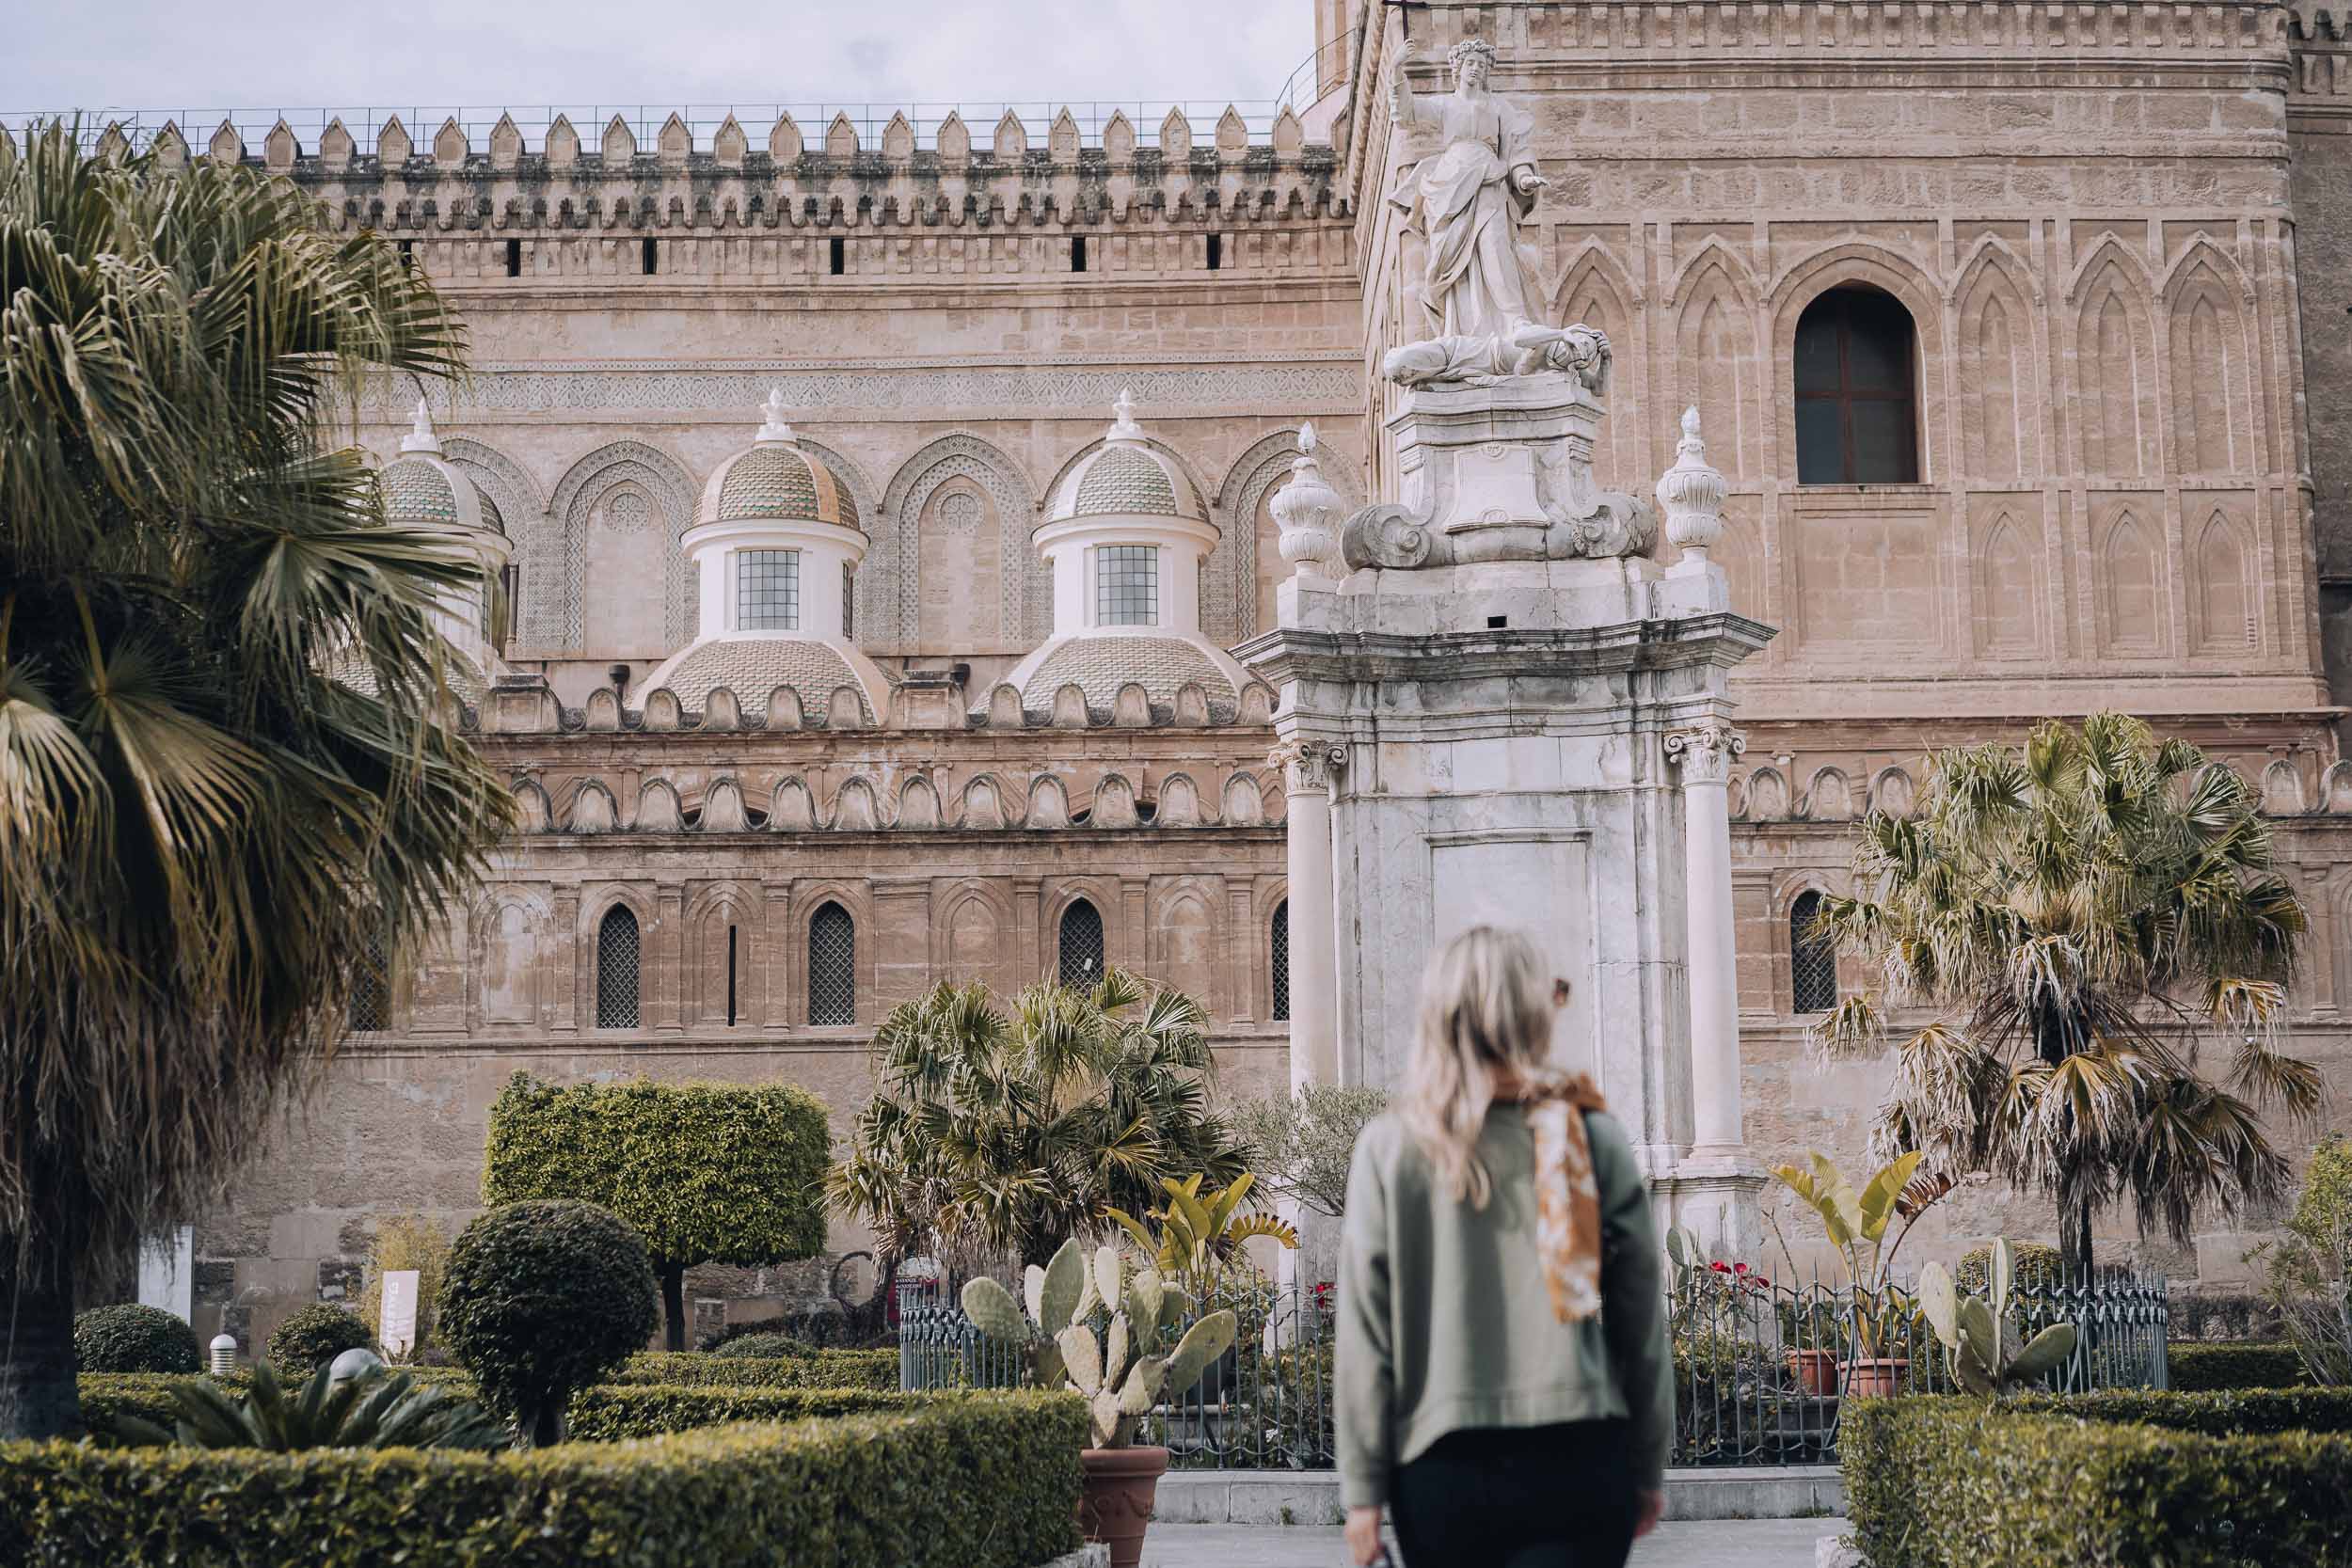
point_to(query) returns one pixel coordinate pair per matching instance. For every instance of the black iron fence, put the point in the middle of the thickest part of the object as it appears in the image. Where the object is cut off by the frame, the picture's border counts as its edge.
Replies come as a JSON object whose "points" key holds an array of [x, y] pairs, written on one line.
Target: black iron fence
{"points": [[1761, 1370]]}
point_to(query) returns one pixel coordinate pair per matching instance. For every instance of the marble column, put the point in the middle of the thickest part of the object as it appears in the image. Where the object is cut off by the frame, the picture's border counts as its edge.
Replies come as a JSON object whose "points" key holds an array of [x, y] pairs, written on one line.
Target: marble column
{"points": [[1310, 771], [1704, 754]]}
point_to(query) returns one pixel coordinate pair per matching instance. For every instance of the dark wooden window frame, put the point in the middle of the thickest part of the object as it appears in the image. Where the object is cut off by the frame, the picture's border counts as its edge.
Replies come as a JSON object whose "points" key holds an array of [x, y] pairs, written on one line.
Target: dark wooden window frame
{"points": [[1839, 302]]}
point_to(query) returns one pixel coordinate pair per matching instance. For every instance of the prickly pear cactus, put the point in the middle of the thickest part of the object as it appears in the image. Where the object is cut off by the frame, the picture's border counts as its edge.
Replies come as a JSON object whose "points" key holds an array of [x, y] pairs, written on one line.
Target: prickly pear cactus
{"points": [[1983, 1351]]}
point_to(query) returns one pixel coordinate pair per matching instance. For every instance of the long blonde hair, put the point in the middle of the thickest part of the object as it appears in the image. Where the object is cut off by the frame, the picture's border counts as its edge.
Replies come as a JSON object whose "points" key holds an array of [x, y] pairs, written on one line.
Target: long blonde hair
{"points": [[1485, 1008]]}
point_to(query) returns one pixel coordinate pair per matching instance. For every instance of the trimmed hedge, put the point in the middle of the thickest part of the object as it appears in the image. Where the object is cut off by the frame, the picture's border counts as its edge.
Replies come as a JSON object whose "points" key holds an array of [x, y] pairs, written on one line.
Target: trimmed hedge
{"points": [[615, 1410], [990, 1480], [2201, 1369], [2059, 1483], [819, 1369], [762, 1346], [129, 1338]]}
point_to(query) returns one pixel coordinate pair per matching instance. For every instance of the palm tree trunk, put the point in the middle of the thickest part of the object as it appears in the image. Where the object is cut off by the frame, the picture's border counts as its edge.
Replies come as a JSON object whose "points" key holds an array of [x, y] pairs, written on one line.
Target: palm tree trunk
{"points": [[672, 1306], [37, 1396]]}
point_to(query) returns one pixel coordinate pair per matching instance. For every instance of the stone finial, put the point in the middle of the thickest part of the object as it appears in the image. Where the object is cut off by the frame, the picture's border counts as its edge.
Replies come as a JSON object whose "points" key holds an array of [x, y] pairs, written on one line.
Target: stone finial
{"points": [[1693, 493], [773, 427], [1124, 426], [421, 436], [1307, 511]]}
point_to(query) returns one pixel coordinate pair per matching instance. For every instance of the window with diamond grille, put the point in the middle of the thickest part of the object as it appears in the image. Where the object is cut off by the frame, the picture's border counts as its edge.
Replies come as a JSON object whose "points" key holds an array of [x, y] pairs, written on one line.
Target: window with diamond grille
{"points": [[1127, 585], [617, 969], [371, 1005], [1278, 959], [832, 967], [1812, 958], [849, 601], [768, 590], [1079, 960]]}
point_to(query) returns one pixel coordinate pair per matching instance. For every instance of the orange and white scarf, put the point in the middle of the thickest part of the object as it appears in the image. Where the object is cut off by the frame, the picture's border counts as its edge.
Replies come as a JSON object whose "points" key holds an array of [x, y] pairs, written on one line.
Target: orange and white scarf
{"points": [[1568, 1195]]}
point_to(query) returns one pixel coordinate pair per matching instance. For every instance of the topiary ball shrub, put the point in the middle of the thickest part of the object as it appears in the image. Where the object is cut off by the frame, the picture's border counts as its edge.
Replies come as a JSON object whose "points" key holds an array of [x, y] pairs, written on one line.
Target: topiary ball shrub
{"points": [[311, 1337], [2031, 1267], [541, 1298], [763, 1345], [135, 1339]]}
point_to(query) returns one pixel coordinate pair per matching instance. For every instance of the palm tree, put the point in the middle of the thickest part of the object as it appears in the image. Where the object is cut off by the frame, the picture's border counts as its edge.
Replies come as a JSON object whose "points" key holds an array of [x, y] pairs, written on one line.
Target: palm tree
{"points": [[993, 1136], [2081, 919], [199, 832]]}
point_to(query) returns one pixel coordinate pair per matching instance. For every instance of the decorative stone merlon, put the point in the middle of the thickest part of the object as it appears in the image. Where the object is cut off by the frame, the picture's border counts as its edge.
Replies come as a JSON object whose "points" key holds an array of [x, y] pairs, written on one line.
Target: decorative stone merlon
{"points": [[1308, 767], [1693, 493], [1309, 511], [1704, 752]]}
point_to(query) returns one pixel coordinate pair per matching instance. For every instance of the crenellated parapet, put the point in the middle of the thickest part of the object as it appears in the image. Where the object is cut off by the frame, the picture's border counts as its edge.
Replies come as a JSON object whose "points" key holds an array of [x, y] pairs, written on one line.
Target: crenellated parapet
{"points": [[2322, 44]]}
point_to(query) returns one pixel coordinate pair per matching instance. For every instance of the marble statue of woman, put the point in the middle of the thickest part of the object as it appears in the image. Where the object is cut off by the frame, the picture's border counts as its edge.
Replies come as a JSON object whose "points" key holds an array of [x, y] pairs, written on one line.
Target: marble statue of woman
{"points": [[1470, 199]]}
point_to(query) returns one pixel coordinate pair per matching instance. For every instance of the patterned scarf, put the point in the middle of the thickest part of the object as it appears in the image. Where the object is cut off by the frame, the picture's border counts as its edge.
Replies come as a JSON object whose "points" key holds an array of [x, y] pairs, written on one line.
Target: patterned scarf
{"points": [[1567, 1199]]}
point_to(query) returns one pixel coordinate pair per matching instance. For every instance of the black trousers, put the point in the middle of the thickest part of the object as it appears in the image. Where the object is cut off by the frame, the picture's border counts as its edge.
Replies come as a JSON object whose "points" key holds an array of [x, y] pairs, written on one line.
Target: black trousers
{"points": [[1556, 1496]]}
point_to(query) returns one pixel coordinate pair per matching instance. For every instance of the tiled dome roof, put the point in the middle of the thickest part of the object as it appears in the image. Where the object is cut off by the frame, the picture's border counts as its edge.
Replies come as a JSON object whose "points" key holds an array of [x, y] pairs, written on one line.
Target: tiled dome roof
{"points": [[492, 517], [775, 480], [1125, 477], [418, 490], [752, 667], [1101, 665]]}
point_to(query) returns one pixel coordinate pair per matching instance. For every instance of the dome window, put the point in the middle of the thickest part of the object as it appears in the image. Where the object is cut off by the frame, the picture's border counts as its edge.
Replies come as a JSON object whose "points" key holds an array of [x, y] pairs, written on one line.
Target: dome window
{"points": [[768, 590], [1127, 585]]}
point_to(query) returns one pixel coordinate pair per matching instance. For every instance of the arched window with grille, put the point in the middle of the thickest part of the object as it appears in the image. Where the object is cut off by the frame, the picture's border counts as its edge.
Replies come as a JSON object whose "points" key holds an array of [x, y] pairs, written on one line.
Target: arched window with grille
{"points": [[1812, 958], [832, 967], [1078, 956], [1858, 389], [1279, 961], [370, 1005], [618, 967]]}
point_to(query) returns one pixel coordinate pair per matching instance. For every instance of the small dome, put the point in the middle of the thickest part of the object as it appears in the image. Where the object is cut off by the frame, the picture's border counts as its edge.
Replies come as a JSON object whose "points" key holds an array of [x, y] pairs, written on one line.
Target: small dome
{"points": [[1126, 478], [752, 667], [418, 490], [1099, 665], [776, 481]]}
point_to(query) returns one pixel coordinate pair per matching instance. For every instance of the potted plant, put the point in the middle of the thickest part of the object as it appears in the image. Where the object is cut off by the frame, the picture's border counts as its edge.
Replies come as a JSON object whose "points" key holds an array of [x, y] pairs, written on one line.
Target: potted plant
{"points": [[1116, 1370], [1857, 1225]]}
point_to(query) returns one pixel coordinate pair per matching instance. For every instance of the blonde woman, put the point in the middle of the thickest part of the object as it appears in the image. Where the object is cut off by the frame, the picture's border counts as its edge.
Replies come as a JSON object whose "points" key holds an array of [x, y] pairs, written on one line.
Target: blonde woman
{"points": [[1503, 1382]]}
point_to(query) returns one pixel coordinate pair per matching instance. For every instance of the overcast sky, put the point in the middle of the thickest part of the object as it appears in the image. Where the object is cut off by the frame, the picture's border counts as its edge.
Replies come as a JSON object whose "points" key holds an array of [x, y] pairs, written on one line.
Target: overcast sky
{"points": [[305, 54]]}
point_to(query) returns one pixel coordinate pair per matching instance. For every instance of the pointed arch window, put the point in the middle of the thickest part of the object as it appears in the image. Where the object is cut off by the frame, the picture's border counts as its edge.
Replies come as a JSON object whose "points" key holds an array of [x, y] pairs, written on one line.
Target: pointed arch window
{"points": [[1858, 389], [1278, 959], [1812, 958], [832, 967], [618, 968], [1078, 956]]}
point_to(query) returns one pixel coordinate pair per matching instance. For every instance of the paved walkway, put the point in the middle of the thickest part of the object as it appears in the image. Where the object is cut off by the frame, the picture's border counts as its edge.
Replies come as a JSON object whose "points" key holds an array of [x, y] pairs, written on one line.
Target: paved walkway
{"points": [[1728, 1543]]}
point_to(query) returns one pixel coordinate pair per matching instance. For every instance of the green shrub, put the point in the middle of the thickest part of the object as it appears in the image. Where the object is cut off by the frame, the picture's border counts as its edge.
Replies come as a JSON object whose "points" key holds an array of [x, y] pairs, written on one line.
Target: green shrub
{"points": [[542, 1298], [615, 1410], [1955, 1482], [823, 1368], [2198, 1368], [2246, 1412], [135, 1339], [987, 1481], [707, 1173], [377, 1411], [311, 1337], [760, 1346], [2033, 1267]]}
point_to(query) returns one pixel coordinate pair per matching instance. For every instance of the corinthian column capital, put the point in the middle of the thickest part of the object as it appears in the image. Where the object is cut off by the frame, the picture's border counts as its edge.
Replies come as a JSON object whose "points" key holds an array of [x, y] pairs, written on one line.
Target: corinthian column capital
{"points": [[1705, 751], [1310, 766]]}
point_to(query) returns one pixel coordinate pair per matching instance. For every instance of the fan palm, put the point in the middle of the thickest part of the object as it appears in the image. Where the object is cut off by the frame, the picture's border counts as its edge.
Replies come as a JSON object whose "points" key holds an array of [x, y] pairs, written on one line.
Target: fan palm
{"points": [[993, 1136], [200, 833], [2081, 919]]}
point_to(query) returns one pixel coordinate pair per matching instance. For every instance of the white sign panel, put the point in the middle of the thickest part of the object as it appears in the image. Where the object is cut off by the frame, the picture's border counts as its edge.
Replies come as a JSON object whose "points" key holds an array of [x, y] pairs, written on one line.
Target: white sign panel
{"points": [[399, 1319]]}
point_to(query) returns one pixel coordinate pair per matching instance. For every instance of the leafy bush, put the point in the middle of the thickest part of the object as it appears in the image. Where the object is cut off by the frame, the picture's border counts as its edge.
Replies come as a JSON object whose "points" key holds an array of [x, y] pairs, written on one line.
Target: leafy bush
{"points": [[406, 1241], [2246, 1411], [2219, 1317], [134, 1339], [2044, 1482], [756, 1346], [707, 1173], [1304, 1140], [377, 1412], [2033, 1267], [615, 1410], [986, 1481], [2311, 1271], [2196, 1369], [824, 1369], [311, 1336], [542, 1298]]}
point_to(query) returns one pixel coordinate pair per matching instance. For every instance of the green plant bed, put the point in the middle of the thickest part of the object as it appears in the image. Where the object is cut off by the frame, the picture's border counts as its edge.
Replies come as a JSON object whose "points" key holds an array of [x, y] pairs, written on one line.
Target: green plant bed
{"points": [[1955, 1482], [615, 1410], [819, 1369], [148, 1395], [986, 1481], [2201, 1368]]}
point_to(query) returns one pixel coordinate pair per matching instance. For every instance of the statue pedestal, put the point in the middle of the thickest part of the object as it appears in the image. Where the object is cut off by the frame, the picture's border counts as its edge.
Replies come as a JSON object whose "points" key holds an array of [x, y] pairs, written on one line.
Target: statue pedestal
{"points": [[1541, 743]]}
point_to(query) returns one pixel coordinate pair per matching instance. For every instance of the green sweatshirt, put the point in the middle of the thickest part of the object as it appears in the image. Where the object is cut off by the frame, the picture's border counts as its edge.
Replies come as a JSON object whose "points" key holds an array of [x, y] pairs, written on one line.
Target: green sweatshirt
{"points": [[1445, 1323]]}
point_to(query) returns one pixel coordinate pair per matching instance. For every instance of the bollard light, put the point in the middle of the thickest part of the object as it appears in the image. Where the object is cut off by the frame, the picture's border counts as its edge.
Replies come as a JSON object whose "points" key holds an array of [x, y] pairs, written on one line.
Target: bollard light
{"points": [[224, 1359]]}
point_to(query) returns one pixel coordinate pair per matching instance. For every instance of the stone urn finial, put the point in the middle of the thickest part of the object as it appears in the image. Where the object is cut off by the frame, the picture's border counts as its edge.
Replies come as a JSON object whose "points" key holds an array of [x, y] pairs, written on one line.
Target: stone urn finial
{"points": [[421, 436], [1124, 426], [1691, 492], [774, 426], [1307, 511]]}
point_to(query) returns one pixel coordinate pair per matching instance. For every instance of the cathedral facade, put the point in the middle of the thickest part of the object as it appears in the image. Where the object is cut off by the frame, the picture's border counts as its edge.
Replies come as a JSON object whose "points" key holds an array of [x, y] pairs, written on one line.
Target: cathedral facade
{"points": [[883, 501]]}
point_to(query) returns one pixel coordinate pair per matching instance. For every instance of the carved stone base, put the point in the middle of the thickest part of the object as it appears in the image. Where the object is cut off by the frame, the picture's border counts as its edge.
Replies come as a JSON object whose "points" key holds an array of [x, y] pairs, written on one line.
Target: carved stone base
{"points": [[1719, 1197]]}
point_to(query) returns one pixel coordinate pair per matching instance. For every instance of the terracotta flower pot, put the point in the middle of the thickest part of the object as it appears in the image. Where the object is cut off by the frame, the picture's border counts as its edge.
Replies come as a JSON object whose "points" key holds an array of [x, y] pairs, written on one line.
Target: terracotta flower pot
{"points": [[1116, 1505], [1875, 1377], [1816, 1371]]}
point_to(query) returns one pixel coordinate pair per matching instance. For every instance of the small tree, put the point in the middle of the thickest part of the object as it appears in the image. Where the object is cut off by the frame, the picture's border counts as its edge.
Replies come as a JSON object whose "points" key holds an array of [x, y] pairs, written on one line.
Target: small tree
{"points": [[541, 1299], [2080, 918], [1304, 1140], [707, 1173], [2310, 1268]]}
